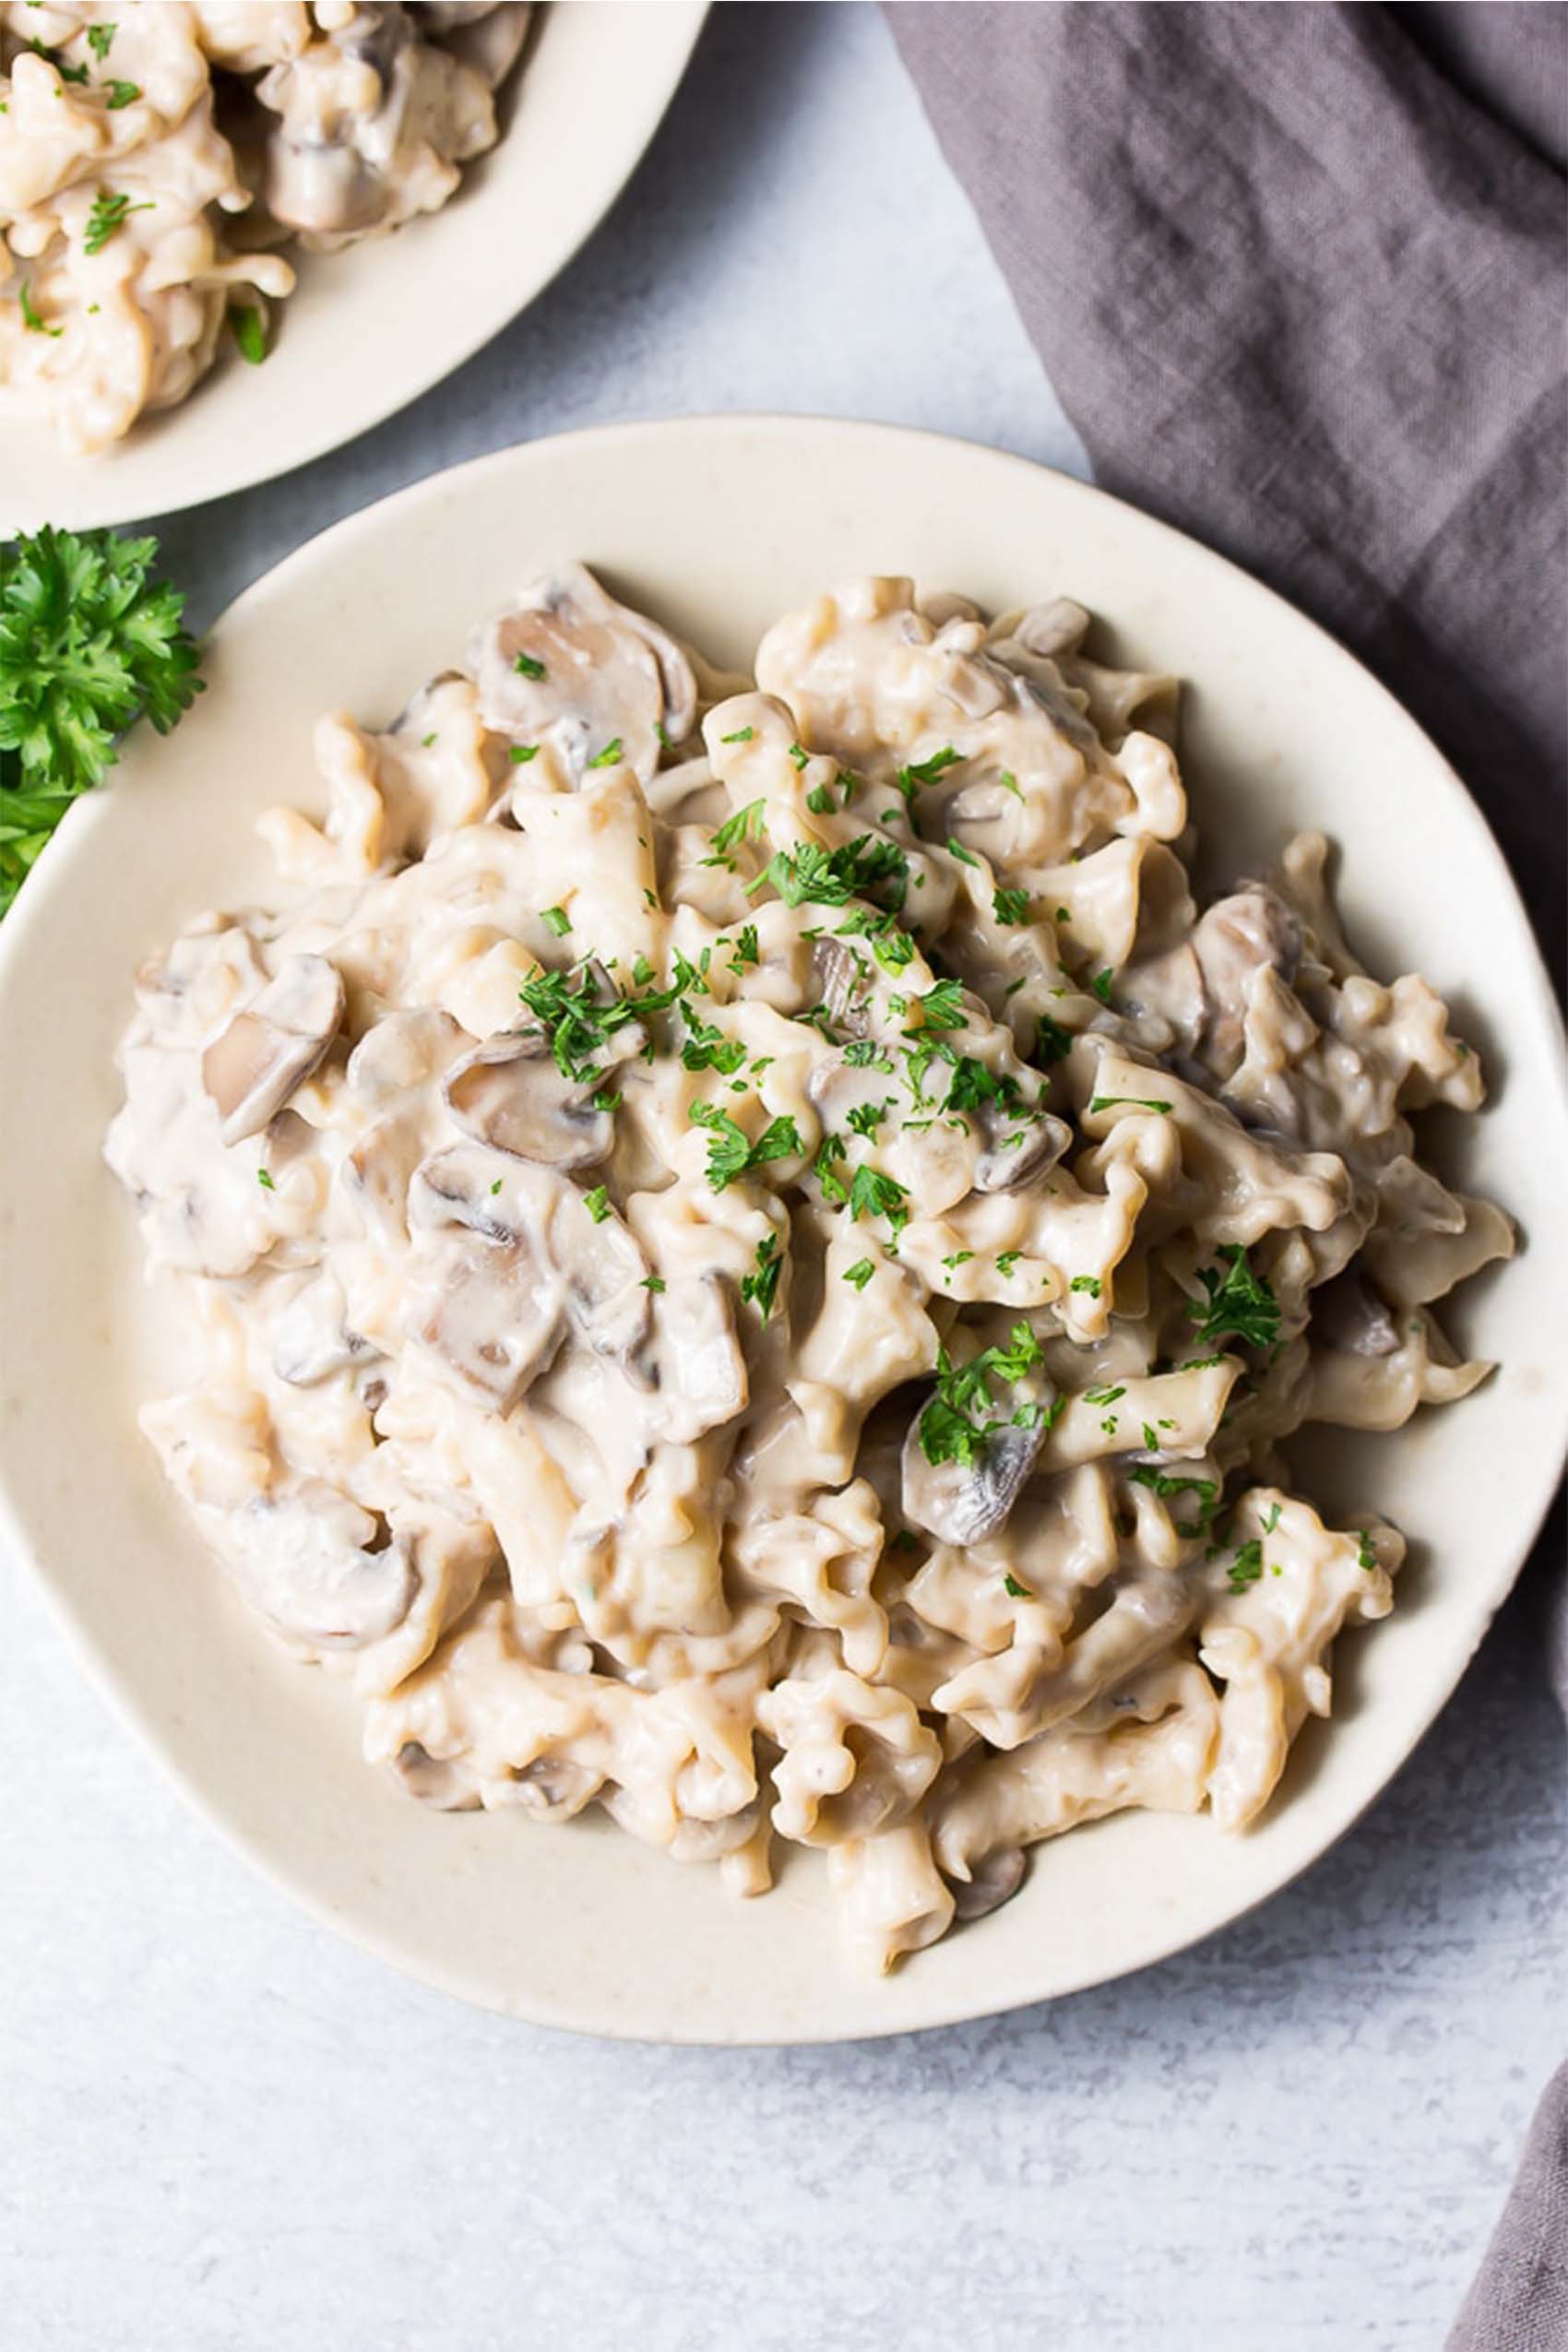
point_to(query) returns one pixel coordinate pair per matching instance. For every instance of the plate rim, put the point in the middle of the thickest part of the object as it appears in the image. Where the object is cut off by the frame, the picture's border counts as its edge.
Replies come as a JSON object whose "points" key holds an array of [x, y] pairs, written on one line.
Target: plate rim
{"points": [[32, 909]]}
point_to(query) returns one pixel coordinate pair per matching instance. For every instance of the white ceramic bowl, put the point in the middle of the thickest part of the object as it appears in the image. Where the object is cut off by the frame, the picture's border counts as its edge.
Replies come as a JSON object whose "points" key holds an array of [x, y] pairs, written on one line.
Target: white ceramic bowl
{"points": [[718, 524], [369, 329]]}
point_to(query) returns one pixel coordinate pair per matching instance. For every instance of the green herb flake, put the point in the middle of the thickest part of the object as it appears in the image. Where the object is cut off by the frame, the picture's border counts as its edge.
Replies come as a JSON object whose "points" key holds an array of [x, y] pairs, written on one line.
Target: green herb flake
{"points": [[31, 319], [860, 1273], [1013, 1590], [741, 735], [1006, 1260], [1132, 1102], [557, 920], [820, 801], [249, 331], [1236, 1301], [1365, 1556], [1010, 906], [108, 216], [527, 667], [924, 771], [101, 39], [760, 1286], [1100, 984], [597, 1203], [654, 1282], [122, 94], [609, 756], [1247, 1566], [1085, 1282], [956, 849], [265, 1180], [520, 753], [1053, 1043]]}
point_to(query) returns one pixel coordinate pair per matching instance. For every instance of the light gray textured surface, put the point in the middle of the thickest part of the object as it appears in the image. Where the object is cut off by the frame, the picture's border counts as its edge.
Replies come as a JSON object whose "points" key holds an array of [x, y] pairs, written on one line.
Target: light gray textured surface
{"points": [[224, 2129]]}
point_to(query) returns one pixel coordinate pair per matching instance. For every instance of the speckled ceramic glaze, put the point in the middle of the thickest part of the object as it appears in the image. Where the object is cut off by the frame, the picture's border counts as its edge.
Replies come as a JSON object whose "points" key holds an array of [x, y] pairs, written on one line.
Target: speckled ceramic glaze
{"points": [[718, 524]]}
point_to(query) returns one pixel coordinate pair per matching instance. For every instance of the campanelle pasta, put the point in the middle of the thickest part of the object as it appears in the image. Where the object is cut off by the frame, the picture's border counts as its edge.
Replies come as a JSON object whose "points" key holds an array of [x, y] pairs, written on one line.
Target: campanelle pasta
{"points": [[753, 1248], [151, 153]]}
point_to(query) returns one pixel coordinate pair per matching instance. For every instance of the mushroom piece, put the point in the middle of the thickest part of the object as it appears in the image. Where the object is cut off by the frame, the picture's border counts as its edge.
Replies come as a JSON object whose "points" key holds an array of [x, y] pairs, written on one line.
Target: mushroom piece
{"points": [[251, 1068], [446, 1784], [1348, 1316], [305, 1559], [992, 1881], [510, 1094], [963, 1503], [494, 1309], [1006, 1165], [1236, 938], [571, 667], [486, 38], [844, 983]]}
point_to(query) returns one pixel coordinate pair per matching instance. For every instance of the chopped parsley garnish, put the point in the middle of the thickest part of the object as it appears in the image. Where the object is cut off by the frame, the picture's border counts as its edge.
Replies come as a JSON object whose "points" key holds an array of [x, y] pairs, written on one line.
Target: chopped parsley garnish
{"points": [[495, 1187], [956, 849], [860, 1273], [975, 1082], [557, 920], [1010, 906], [609, 756], [66, 73], [1132, 1102], [873, 1195], [745, 826], [654, 1282], [730, 1155], [249, 332], [1009, 783], [924, 771], [942, 1007], [948, 1431], [864, 1054], [520, 753], [708, 1048], [122, 94], [741, 735], [31, 318], [1101, 982], [1165, 1484], [1102, 1395], [108, 214], [1272, 1521], [100, 39], [761, 1286], [1365, 1556], [265, 1180], [1005, 1260], [664, 743], [527, 667], [597, 1203], [1086, 1282], [1247, 1566], [1053, 1043], [867, 1117], [832, 878], [746, 948], [1236, 1301], [959, 1258], [820, 801], [1013, 1590]]}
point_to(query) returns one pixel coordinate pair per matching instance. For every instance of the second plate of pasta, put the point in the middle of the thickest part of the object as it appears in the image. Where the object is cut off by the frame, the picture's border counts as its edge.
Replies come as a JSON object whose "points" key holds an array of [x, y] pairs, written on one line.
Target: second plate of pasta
{"points": [[801, 1242]]}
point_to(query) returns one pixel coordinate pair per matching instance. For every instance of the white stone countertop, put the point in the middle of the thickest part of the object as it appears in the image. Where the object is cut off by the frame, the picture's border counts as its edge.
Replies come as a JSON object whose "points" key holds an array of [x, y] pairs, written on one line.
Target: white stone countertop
{"points": [[221, 2128]]}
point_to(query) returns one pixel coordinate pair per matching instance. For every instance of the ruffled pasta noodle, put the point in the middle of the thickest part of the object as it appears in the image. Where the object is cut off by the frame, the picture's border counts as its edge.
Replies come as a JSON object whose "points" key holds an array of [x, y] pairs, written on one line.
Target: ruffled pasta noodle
{"points": [[753, 1248], [152, 153]]}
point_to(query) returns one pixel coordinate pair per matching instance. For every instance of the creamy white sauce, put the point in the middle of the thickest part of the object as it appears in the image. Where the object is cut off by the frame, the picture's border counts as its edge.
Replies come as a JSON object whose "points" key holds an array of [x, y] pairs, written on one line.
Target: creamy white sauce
{"points": [[153, 150], [658, 1090]]}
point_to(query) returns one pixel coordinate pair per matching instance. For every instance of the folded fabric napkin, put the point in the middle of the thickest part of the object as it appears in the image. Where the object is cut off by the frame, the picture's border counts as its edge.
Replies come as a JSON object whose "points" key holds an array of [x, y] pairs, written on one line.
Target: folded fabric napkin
{"points": [[1298, 275]]}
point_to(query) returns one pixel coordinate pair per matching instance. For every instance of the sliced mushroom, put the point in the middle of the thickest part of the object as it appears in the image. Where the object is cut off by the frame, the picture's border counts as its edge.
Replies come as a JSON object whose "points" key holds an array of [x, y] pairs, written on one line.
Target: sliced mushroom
{"points": [[992, 1881], [571, 667], [273, 1046], [1348, 1316], [510, 1094], [1016, 1153], [1236, 938], [843, 984], [402, 1051], [306, 1561], [693, 1361], [964, 1503]]}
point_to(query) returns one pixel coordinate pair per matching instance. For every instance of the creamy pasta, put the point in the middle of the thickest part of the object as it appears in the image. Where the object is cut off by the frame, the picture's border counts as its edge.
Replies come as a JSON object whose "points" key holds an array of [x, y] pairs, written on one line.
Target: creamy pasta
{"points": [[753, 1248], [153, 153]]}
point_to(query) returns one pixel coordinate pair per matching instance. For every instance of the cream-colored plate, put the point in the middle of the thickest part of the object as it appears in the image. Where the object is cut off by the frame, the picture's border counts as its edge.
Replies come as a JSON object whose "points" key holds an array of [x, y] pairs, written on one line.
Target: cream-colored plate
{"points": [[718, 524], [369, 329]]}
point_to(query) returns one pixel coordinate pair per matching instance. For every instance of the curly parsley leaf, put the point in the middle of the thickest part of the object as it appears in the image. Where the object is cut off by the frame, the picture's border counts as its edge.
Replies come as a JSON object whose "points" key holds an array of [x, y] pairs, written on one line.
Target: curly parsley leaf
{"points": [[91, 639], [1236, 1300]]}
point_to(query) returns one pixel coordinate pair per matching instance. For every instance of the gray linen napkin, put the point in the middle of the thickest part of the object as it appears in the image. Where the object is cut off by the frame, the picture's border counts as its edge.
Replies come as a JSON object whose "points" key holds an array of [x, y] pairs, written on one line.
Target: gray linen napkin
{"points": [[1298, 274]]}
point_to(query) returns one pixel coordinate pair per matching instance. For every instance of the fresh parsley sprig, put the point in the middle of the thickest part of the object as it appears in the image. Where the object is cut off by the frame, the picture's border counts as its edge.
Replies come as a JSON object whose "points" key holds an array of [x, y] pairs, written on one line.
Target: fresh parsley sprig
{"points": [[91, 639], [1236, 1301]]}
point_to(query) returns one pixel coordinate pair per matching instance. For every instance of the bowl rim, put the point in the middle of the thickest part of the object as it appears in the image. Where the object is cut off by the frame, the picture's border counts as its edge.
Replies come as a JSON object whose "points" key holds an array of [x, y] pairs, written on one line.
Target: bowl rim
{"points": [[50, 879]]}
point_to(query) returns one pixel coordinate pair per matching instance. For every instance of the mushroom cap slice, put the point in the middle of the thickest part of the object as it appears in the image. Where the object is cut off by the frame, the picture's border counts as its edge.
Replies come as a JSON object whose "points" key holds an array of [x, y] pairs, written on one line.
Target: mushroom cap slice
{"points": [[253, 1065], [1007, 1167], [992, 1881], [510, 1094], [571, 667], [963, 1504]]}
